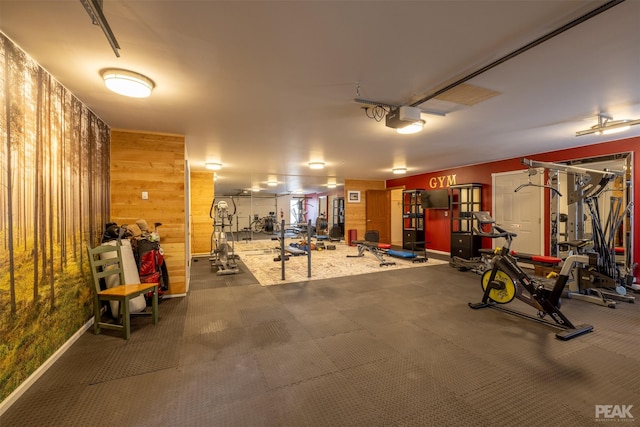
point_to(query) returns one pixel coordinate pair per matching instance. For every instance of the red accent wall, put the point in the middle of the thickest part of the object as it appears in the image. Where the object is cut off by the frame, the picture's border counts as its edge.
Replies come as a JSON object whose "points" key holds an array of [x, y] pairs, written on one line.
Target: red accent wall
{"points": [[437, 224]]}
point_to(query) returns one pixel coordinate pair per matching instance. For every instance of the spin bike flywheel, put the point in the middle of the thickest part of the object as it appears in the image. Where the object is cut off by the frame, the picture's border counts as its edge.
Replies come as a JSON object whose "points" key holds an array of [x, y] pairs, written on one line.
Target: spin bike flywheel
{"points": [[507, 290]]}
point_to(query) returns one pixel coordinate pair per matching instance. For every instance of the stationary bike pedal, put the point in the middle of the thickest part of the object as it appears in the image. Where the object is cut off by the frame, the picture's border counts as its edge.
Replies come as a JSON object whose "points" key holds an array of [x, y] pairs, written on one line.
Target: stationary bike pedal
{"points": [[477, 305]]}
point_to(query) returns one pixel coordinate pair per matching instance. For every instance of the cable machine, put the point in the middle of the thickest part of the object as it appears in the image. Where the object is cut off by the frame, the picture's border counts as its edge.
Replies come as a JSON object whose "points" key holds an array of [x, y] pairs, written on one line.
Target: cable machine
{"points": [[604, 281]]}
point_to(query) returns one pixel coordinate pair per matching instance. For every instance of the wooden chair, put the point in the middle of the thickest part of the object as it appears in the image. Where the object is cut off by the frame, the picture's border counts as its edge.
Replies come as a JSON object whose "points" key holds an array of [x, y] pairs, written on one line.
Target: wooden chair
{"points": [[106, 261]]}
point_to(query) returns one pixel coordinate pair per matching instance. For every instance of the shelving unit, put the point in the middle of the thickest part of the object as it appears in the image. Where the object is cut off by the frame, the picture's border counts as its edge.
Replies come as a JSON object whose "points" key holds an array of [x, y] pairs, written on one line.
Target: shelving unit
{"points": [[337, 214], [465, 199], [412, 220]]}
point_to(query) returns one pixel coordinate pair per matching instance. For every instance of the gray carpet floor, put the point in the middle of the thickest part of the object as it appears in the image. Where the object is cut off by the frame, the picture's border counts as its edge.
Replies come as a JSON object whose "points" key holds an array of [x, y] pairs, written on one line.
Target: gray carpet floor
{"points": [[394, 348]]}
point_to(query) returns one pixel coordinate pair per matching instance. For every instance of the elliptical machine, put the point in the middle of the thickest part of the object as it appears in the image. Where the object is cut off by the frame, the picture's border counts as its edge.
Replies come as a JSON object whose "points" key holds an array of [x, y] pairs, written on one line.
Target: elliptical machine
{"points": [[223, 257]]}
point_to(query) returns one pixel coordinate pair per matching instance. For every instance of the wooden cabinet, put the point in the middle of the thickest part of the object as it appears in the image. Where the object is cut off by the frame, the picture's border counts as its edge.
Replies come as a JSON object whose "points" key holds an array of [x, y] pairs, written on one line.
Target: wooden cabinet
{"points": [[412, 220], [465, 199]]}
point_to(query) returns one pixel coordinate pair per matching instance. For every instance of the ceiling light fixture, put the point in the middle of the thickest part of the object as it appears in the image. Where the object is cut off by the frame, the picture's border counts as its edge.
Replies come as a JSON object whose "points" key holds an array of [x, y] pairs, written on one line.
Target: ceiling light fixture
{"points": [[606, 125], [316, 165], [255, 189], [399, 171], [272, 183], [411, 128], [331, 185], [213, 166], [405, 120], [127, 83]]}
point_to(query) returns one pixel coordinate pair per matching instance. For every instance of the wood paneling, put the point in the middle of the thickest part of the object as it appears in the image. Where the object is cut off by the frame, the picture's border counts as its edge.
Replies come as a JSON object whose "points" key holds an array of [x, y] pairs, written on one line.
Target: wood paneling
{"points": [[202, 193], [153, 163], [356, 213]]}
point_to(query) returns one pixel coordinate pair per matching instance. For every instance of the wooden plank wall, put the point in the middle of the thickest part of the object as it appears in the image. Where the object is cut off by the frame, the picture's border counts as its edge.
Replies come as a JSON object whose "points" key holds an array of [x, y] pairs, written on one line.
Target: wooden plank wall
{"points": [[154, 163], [202, 193], [355, 214]]}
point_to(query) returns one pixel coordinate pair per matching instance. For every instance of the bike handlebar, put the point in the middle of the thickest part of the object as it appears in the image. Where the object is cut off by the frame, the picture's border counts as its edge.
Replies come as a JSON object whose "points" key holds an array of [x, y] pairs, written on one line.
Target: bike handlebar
{"points": [[496, 232]]}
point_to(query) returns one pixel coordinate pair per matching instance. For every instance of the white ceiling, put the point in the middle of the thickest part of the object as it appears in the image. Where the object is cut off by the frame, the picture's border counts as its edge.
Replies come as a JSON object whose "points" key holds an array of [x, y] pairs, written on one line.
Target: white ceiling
{"points": [[267, 86]]}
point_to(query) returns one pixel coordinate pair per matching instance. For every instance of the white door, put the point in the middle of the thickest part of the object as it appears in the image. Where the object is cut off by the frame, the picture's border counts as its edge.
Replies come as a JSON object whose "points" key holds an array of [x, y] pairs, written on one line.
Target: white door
{"points": [[520, 212]]}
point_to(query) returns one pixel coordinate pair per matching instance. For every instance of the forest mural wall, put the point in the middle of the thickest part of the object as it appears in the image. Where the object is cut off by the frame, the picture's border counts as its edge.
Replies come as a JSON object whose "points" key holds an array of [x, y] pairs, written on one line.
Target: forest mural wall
{"points": [[54, 199]]}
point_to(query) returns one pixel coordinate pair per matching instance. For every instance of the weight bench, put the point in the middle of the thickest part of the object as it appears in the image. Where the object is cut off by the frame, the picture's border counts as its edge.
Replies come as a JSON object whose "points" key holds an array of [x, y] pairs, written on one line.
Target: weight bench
{"points": [[542, 260], [377, 249], [535, 260], [293, 251]]}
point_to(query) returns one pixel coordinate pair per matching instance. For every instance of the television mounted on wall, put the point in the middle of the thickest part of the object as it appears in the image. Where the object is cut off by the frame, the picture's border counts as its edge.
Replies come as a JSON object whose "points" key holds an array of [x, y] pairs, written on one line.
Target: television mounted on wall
{"points": [[435, 199]]}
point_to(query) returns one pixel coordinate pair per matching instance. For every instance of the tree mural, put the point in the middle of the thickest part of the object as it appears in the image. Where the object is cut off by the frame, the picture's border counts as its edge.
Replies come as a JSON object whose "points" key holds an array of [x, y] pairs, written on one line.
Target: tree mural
{"points": [[54, 200]]}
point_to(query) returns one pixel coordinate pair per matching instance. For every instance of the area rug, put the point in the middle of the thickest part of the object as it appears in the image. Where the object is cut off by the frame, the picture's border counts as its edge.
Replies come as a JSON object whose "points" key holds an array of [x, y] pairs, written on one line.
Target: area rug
{"points": [[259, 256]]}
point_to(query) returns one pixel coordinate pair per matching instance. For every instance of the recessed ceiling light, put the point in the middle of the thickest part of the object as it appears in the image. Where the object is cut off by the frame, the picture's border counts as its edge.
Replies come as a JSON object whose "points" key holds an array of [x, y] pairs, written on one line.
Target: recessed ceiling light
{"points": [[399, 171], [331, 185], [213, 166], [128, 83], [316, 165], [255, 189], [272, 183]]}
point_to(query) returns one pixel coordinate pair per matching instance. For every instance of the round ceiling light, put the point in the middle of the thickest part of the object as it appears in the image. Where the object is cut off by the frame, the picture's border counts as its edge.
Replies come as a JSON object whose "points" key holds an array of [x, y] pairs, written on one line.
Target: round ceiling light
{"points": [[316, 165], [128, 83], [213, 166], [399, 171]]}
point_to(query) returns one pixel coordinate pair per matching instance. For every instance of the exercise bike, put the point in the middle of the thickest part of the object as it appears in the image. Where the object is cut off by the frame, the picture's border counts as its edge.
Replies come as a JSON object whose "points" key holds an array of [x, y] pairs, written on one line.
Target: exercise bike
{"points": [[223, 256], [507, 280]]}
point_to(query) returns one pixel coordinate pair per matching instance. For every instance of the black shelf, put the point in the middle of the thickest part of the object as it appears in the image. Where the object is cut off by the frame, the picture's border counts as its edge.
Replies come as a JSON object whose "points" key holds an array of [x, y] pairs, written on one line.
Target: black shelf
{"points": [[337, 214], [465, 199], [412, 220]]}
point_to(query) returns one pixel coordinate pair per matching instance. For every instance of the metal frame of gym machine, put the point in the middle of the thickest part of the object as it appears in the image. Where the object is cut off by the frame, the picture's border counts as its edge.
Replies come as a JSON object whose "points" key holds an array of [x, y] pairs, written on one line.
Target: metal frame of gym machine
{"points": [[584, 187]]}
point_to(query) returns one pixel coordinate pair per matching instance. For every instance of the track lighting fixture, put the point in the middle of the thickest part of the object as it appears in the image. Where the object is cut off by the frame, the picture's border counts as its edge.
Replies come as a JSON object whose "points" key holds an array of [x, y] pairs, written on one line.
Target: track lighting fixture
{"points": [[606, 125], [94, 9]]}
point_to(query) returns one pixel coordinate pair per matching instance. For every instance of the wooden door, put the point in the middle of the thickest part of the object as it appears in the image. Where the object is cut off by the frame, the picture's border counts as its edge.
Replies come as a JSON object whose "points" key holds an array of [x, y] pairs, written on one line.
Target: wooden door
{"points": [[379, 213]]}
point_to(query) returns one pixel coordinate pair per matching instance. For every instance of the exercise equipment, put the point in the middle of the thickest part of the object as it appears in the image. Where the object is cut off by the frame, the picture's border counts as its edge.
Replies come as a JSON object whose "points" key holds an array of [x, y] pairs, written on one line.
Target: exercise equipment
{"points": [[603, 282], [507, 280], [223, 256], [403, 254], [288, 250], [479, 264], [476, 265], [377, 249]]}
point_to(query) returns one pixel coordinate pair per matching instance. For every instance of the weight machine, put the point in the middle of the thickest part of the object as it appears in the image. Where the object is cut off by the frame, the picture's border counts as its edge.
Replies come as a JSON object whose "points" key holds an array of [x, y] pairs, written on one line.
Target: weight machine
{"points": [[603, 282], [223, 256]]}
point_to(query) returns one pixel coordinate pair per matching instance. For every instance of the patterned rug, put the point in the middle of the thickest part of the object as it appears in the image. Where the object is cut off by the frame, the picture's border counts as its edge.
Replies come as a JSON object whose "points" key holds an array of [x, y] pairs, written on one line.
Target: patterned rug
{"points": [[259, 256]]}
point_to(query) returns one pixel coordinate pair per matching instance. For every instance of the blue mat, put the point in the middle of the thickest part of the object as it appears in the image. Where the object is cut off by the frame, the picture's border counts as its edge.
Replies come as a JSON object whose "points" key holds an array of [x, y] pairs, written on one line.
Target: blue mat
{"points": [[401, 254]]}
